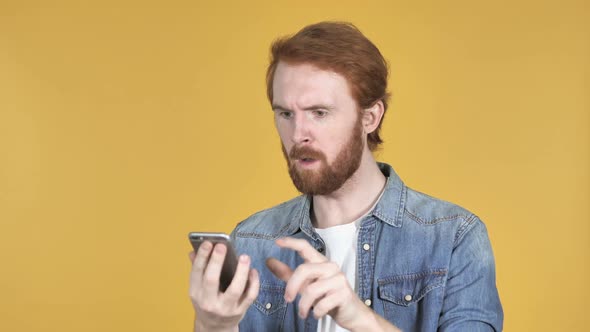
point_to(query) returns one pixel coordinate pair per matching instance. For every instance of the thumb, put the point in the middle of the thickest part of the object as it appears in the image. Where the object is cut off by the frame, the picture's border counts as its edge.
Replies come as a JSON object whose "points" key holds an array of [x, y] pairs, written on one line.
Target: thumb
{"points": [[279, 269]]}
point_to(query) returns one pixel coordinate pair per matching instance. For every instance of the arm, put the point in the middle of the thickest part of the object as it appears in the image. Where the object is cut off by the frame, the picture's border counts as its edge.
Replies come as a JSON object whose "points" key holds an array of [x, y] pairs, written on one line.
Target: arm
{"points": [[471, 300], [376, 323], [202, 328]]}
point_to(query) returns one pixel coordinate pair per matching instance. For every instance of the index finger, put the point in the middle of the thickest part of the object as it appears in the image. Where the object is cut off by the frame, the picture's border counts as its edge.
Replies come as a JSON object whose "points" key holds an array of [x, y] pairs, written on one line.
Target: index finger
{"points": [[200, 259], [303, 248]]}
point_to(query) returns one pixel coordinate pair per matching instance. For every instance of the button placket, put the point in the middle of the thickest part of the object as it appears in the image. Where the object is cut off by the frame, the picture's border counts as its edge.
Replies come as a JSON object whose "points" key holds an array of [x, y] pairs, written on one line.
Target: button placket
{"points": [[365, 260]]}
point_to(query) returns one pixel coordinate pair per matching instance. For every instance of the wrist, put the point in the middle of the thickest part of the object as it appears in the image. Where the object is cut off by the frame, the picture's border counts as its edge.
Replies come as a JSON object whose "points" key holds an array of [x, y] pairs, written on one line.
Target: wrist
{"points": [[373, 322], [200, 327], [367, 321]]}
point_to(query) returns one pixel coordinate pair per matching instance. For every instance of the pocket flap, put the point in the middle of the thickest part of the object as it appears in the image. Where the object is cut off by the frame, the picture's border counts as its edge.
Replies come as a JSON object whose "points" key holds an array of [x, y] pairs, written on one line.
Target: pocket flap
{"points": [[410, 288], [270, 298]]}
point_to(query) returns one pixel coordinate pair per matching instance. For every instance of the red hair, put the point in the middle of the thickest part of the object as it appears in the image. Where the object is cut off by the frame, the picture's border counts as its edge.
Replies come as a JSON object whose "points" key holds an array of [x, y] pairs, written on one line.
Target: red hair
{"points": [[339, 47]]}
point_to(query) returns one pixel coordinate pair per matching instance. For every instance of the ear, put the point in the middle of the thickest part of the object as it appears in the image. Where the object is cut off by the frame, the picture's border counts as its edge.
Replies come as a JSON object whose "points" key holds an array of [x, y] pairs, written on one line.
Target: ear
{"points": [[372, 117]]}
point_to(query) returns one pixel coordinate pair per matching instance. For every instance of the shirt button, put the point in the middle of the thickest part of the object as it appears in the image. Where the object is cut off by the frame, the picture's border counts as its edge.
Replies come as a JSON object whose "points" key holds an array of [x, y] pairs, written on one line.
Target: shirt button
{"points": [[268, 306], [366, 246], [408, 298], [368, 302]]}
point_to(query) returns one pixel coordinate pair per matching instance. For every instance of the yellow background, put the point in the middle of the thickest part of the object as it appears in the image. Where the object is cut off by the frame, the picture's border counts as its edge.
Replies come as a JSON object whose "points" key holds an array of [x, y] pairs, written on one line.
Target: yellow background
{"points": [[126, 124]]}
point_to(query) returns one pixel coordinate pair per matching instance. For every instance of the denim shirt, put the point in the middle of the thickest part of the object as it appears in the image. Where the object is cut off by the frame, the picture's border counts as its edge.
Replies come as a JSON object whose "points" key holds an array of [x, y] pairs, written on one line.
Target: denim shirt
{"points": [[428, 265]]}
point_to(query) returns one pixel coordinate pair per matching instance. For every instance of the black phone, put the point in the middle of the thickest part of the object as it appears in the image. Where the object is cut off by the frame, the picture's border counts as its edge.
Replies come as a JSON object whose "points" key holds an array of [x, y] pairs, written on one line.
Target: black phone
{"points": [[230, 262]]}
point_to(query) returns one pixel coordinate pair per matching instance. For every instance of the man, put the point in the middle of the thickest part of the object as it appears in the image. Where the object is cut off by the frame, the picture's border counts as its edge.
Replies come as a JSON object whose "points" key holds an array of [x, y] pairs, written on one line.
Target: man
{"points": [[359, 251]]}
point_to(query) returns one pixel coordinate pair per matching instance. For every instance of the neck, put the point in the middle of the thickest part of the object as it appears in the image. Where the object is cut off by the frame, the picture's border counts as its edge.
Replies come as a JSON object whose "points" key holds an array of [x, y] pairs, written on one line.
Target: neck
{"points": [[356, 196]]}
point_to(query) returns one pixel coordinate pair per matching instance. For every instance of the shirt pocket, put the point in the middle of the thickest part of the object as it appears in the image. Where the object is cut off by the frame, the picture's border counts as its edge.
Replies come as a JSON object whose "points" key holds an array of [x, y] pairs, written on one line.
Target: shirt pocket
{"points": [[407, 297], [271, 300]]}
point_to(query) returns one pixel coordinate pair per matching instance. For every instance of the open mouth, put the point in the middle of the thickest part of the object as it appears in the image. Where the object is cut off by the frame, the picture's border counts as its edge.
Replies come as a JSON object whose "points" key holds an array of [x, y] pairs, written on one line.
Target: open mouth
{"points": [[306, 161]]}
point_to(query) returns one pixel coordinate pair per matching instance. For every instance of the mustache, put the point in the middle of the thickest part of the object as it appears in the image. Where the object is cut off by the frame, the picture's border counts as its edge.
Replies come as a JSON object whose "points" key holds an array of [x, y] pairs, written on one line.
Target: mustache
{"points": [[301, 152]]}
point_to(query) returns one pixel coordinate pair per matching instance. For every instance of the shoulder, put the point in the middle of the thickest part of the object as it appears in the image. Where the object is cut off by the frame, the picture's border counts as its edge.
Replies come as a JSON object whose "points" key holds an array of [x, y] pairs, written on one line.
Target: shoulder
{"points": [[272, 222], [426, 210]]}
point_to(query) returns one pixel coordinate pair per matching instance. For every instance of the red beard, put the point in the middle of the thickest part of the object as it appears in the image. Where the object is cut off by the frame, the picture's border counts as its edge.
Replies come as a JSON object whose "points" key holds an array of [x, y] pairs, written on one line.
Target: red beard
{"points": [[328, 178]]}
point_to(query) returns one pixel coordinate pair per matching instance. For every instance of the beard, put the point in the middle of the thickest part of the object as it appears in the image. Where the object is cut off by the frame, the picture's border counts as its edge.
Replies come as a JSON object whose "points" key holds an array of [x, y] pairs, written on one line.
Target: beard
{"points": [[329, 177]]}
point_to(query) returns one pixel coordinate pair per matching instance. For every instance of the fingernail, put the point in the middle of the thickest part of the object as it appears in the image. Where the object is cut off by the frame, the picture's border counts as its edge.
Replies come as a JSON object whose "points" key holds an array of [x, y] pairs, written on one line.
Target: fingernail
{"points": [[220, 249], [206, 246], [287, 298], [244, 259]]}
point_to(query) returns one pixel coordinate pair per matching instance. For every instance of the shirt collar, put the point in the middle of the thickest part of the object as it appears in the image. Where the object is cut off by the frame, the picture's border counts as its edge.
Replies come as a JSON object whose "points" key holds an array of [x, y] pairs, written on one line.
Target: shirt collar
{"points": [[389, 208]]}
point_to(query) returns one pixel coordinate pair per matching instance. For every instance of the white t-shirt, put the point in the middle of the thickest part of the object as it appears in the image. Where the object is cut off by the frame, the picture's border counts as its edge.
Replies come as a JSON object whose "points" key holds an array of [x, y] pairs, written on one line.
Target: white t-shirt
{"points": [[341, 249]]}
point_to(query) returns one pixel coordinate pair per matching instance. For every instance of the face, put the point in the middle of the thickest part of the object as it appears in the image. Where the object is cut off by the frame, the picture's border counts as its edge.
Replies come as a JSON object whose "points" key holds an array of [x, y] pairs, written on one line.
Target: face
{"points": [[320, 128]]}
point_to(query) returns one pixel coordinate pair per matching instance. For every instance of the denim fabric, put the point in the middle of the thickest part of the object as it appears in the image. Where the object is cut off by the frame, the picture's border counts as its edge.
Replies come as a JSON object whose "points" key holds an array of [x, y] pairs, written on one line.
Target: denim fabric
{"points": [[429, 266]]}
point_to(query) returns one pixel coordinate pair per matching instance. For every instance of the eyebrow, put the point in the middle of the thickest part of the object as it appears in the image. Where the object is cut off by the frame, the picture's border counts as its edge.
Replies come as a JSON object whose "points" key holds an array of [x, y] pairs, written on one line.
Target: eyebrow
{"points": [[276, 107]]}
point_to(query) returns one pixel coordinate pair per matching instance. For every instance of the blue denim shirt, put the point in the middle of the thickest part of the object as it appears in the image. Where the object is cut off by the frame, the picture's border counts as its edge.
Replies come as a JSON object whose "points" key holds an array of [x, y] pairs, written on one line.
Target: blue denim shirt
{"points": [[430, 265]]}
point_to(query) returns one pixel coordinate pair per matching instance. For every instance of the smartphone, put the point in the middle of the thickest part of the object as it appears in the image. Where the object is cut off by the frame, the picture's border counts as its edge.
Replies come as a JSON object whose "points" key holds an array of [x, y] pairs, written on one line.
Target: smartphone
{"points": [[230, 262]]}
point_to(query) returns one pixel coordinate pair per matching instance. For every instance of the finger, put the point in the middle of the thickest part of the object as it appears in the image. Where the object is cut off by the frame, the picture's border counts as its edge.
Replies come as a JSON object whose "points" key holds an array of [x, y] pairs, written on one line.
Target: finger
{"points": [[236, 288], [308, 273], [309, 297], [213, 271], [200, 261], [191, 256], [327, 304], [252, 290], [314, 292], [303, 248], [279, 269]]}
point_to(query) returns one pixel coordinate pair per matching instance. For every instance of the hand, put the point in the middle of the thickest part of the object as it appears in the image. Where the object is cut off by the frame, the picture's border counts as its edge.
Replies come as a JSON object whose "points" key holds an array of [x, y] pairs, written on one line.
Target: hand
{"points": [[322, 285], [217, 311]]}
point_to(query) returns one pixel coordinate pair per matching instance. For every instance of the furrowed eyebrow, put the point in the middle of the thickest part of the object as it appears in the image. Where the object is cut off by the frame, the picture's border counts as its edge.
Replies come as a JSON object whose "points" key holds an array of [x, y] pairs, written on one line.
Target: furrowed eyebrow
{"points": [[276, 107], [318, 107]]}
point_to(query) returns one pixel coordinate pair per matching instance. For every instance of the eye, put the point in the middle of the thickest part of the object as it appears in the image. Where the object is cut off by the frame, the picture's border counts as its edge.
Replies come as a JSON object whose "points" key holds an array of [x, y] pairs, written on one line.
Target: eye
{"points": [[320, 113], [285, 114]]}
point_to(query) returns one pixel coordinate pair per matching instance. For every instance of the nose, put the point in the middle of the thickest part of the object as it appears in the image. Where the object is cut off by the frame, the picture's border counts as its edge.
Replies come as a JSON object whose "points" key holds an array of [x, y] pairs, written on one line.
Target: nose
{"points": [[301, 129]]}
